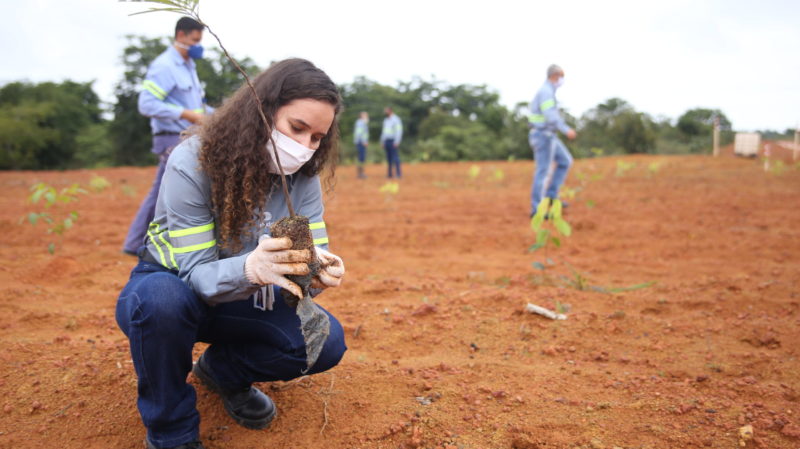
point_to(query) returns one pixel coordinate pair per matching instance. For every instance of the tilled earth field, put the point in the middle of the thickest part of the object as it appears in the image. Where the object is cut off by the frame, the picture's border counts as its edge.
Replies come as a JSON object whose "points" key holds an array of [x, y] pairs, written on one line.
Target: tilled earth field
{"points": [[681, 283]]}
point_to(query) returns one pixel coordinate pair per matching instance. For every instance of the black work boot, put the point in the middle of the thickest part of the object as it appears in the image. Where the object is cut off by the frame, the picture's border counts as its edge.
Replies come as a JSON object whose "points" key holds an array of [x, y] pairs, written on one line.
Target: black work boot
{"points": [[249, 406], [192, 445]]}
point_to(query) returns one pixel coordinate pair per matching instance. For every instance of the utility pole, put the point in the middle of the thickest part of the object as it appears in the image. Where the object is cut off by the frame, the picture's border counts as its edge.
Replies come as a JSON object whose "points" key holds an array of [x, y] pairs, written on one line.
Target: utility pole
{"points": [[716, 136]]}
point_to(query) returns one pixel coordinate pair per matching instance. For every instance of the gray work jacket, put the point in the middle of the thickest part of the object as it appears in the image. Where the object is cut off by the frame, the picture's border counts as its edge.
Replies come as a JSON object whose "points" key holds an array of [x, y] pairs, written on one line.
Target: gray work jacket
{"points": [[183, 234]]}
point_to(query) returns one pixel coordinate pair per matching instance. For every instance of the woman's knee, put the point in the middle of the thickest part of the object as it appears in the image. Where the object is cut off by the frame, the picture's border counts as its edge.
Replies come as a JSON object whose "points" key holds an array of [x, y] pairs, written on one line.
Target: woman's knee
{"points": [[164, 297]]}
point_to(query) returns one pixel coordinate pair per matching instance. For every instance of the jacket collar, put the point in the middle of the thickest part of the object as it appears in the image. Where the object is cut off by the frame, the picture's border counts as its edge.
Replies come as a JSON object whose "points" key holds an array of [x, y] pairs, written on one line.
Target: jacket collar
{"points": [[176, 57]]}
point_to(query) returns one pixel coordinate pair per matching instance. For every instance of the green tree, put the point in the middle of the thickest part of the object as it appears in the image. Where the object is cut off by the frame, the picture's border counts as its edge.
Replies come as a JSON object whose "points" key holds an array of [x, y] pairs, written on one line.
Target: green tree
{"points": [[615, 126], [700, 122], [633, 132], [40, 123]]}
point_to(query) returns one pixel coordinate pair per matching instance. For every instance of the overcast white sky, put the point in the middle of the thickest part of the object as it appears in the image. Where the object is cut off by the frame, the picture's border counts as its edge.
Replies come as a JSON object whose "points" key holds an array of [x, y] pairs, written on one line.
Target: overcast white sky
{"points": [[742, 57]]}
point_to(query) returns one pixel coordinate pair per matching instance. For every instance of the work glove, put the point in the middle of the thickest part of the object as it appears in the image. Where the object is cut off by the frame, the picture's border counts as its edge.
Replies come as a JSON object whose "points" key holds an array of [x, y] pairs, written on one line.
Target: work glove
{"points": [[272, 260], [331, 270]]}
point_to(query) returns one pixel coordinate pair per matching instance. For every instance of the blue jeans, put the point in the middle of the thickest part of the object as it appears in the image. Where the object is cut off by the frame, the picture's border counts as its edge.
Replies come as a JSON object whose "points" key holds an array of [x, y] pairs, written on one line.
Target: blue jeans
{"points": [[163, 318], [162, 146], [547, 147], [392, 157], [362, 152]]}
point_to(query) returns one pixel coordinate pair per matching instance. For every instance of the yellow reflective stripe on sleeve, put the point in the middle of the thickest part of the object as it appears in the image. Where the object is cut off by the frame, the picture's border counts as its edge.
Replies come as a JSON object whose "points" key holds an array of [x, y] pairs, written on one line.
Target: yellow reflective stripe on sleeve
{"points": [[547, 104], [317, 225], [170, 249], [536, 118], [199, 110], [204, 239], [190, 231], [198, 247], [155, 243], [322, 241], [154, 89]]}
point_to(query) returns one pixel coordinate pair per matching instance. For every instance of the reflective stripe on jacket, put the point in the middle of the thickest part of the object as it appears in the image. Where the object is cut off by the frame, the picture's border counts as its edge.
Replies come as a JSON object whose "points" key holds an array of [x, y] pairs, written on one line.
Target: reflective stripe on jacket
{"points": [[392, 129], [544, 110], [170, 86], [361, 132], [183, 234]]}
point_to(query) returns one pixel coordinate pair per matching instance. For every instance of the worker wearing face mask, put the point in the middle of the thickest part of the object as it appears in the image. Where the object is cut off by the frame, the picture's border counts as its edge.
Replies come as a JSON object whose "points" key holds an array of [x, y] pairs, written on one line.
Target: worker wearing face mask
{"points": [[361, 139], [173, 98], [545, 121], [210, 271], [391, 135]]}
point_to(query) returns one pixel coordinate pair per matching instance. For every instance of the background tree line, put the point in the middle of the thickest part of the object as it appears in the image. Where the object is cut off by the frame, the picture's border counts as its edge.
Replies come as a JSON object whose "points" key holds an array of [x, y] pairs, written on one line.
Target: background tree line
{"points": [[62, 125]]}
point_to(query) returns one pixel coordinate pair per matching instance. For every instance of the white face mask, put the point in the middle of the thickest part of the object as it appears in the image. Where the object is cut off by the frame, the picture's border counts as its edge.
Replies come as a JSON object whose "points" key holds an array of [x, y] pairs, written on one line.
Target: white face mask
{"points": [[293, 154], [559, 82]]}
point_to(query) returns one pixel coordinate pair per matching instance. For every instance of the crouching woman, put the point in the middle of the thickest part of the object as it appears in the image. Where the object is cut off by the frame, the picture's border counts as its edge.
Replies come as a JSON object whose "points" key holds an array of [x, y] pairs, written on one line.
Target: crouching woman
{"points": [[208, 272]]}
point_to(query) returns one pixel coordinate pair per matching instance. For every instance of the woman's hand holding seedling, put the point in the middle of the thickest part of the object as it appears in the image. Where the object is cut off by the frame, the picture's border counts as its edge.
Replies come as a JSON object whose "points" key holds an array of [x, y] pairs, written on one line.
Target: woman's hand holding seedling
{"points": [[331, 270], [273, 259]]}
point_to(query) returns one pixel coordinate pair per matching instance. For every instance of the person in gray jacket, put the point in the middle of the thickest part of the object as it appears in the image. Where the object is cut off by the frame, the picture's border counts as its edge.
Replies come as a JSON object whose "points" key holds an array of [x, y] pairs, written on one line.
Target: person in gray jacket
{"points": [[209, 265]]}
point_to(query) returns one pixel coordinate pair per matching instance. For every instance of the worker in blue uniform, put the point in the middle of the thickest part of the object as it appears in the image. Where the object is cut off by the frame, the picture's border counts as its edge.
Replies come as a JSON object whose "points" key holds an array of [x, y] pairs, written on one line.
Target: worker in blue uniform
{"points": [[361, 139], [173, 98], [545, 122], [391, 136]]}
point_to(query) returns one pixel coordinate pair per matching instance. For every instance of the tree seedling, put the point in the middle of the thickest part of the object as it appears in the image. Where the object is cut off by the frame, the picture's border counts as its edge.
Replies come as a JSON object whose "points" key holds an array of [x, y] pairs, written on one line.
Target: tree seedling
{"points": [[623, 167], [778, 168], [50, 197], [548, 211], [99, 183], [390, 189], [653, 168], [498, 175], [474, 172]]}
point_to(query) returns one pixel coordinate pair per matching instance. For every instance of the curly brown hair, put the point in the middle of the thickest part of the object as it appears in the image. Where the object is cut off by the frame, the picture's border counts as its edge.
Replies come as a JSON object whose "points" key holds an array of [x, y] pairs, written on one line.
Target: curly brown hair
{"points": [[234, 155]]}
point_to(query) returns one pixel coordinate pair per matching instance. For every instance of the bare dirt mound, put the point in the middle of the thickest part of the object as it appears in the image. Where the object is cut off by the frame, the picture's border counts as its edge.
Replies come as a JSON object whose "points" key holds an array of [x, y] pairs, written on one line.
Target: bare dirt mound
{"points": [[440, 353]]}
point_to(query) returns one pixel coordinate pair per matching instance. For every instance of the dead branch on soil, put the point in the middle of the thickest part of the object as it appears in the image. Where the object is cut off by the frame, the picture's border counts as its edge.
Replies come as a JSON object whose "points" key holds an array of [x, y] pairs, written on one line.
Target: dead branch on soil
{"points": [[282, 386], [326, 395]]}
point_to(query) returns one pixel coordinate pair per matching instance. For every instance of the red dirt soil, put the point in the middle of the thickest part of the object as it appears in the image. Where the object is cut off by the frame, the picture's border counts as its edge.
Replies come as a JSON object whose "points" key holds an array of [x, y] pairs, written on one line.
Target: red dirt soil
{"points": [[441, 354]]}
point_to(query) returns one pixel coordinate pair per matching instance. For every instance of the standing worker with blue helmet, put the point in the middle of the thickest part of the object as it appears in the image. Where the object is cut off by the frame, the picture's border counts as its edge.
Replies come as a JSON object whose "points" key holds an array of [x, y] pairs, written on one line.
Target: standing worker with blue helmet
{"points": [[361, 139], [544, 121], [174, 100], [391, 135]]}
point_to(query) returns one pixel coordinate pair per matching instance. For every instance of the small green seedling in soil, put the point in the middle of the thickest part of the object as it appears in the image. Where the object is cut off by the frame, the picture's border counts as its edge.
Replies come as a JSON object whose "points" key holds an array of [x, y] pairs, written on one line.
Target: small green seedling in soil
{"points": [[51, 197], [548, 211], [623, 167], [474, 172], [653, 168], [579, 281], [562, 308], [128, 190], [389, 191], [99, 183], [570, 192], [585, 178], [777, 168], [498, 175], [390, 188]]}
